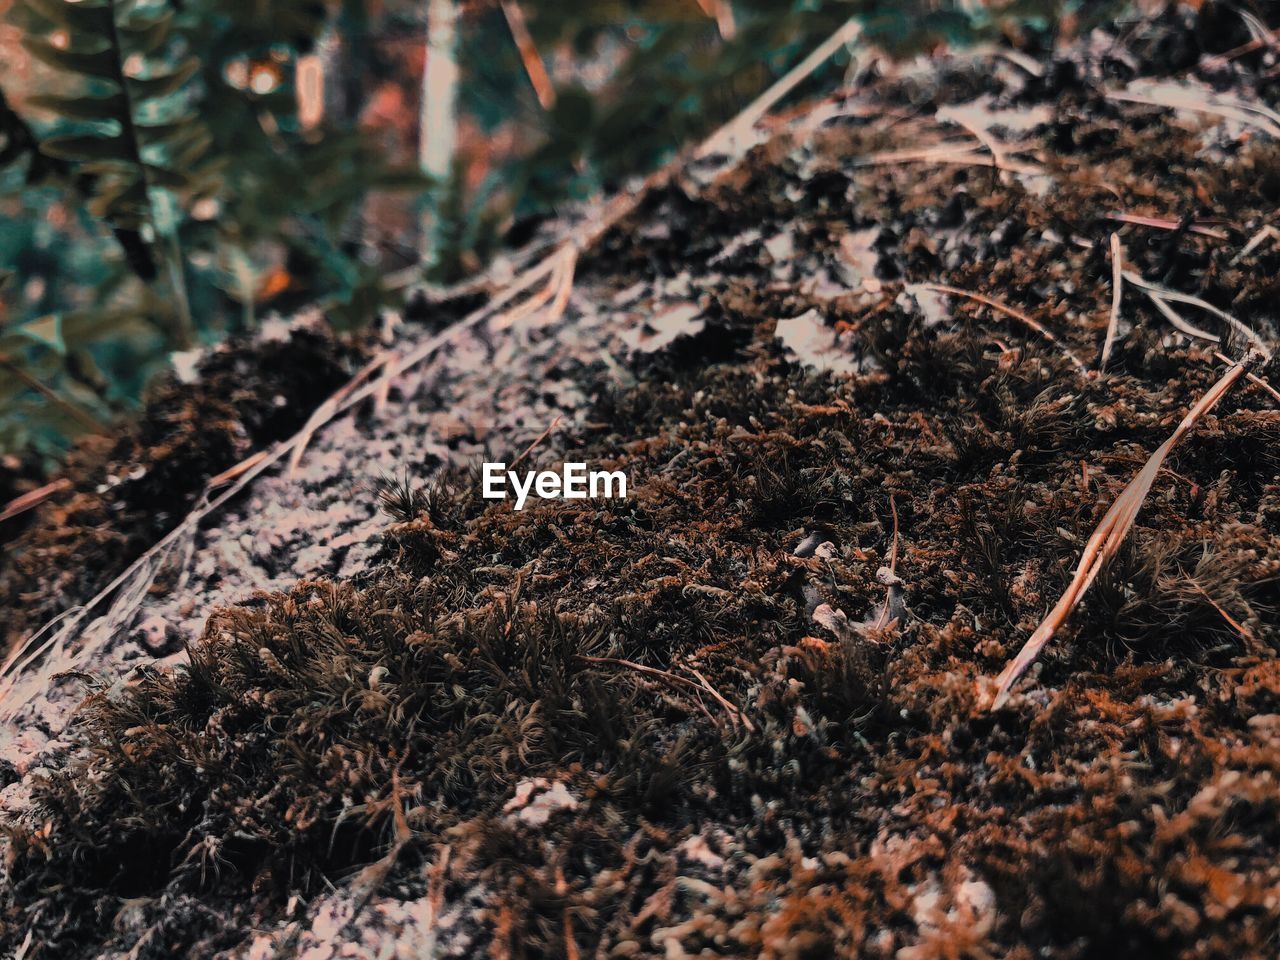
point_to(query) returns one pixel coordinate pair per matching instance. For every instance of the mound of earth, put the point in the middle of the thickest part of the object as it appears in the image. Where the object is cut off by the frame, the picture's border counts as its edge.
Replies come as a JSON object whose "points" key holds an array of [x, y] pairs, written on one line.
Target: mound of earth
{"points": [[853, 378]]}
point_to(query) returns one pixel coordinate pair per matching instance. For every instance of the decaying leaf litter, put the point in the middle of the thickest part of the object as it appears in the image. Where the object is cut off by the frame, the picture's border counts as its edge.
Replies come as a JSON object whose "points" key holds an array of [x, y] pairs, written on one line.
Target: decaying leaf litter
{"points": [[738, 714]]}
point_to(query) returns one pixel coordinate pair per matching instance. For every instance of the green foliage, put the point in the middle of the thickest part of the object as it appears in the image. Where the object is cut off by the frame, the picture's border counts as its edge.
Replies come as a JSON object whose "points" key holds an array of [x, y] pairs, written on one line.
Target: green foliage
{"points": [[160, 188], [139, 135]]}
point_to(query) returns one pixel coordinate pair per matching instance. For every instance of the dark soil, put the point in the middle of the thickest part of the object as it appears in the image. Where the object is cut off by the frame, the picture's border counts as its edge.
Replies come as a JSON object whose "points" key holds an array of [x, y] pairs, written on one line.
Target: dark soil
{"points": [[761, 749]]}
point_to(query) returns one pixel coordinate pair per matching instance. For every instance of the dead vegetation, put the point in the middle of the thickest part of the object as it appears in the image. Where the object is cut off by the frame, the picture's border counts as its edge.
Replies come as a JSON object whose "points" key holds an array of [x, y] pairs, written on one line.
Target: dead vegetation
{"points": [[746, 710]]}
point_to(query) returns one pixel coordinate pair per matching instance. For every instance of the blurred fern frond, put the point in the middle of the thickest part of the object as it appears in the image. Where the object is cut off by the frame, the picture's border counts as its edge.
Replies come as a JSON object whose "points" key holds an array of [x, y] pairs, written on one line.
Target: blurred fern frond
{"points": [[131, 133]]}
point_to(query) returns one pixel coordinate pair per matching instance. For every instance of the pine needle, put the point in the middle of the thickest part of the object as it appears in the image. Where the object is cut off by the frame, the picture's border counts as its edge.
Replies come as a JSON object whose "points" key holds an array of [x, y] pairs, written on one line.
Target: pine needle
{"points": [[529, 56], [1006, 310], [1117, 288], [33, 498], [726, 137], [1109, 535]]}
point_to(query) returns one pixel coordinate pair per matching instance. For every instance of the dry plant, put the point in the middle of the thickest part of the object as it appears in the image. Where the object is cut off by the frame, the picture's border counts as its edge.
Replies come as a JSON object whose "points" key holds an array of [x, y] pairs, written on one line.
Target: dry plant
{"points": [[33, 498], [529, 56], [1110, 534], [1117, 290], [1007, 310]]}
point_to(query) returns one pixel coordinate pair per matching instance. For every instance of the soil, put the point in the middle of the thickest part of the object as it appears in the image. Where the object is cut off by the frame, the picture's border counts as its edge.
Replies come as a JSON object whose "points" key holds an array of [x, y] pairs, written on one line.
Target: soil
{"points": [[745, 710]]}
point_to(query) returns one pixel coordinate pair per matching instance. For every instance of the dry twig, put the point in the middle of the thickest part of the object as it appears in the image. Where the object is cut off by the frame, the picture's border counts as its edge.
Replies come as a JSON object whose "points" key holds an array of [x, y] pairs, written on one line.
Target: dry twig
{"points": [[542, 436]]}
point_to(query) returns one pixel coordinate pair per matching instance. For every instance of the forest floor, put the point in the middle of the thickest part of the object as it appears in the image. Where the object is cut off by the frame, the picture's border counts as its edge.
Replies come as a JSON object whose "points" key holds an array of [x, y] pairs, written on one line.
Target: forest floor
{"points": [[854, 378]]}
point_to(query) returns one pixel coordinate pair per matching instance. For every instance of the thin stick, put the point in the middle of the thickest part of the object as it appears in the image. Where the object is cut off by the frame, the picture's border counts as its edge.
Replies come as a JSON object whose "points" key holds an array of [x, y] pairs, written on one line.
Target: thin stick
{"points": [[1108, 537], [1005, 309], [1117, 287], [226, 476], [33, 498], [1255, 241], [533, 65], [324, 413], [1267, 39]]}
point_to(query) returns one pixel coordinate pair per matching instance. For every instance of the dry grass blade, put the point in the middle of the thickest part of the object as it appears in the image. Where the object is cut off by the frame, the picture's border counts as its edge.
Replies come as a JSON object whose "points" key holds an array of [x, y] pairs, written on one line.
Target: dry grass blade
{"points": [[725, 138], [1163, 223], [533, 65], [33, 498], [1253, 378], [1108, 537], [1175, 97], [1006, 310], [1160, 296], [1117, 289]]}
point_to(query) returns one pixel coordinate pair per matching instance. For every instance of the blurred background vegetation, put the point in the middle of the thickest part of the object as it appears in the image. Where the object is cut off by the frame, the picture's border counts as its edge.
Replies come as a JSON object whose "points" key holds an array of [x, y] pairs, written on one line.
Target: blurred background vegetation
{"points": [[173, 170]]}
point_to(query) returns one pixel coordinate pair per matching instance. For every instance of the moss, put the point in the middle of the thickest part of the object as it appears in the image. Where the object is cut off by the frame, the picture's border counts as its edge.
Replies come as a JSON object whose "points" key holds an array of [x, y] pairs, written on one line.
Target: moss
{"points": [[129, 491], [748, 778]]}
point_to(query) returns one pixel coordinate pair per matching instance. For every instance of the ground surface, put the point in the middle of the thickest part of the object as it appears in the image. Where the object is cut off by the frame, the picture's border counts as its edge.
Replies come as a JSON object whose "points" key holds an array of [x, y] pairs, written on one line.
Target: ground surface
{"points": [[734, 714]]}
